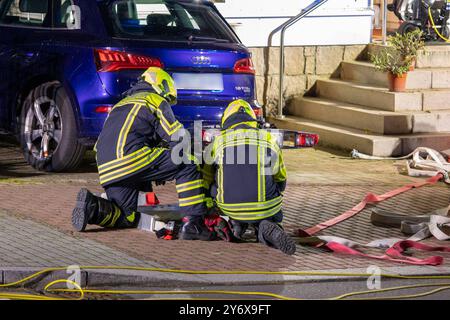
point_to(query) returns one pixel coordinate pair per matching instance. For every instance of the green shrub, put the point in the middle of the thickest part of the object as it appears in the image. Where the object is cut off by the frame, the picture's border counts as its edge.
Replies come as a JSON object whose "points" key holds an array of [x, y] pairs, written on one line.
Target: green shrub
{"points": [[388, 61]]}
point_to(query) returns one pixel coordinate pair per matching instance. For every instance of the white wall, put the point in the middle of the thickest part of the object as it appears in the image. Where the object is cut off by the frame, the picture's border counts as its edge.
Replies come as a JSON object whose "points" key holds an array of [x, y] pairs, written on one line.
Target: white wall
{"points": [[337, 22]]}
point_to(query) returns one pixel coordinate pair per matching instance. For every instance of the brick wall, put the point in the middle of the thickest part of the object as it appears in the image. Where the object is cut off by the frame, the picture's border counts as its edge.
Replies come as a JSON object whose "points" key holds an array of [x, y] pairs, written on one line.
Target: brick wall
{"points": [[303, 66]]}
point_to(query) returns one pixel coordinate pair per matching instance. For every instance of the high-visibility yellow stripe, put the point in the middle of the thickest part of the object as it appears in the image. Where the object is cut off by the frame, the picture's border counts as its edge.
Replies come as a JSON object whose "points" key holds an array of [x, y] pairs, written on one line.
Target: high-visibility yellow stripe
{"points": [[220, 183], [171, 129], [258, 135], [192, 203], [126, 160], [185, 202], [116, 216], [104, 221], [259, 175], [240, 143], [198, 196], [253, 124], [133, 118], [264, 212], [190, 186], [127, 102], [122, 139], [156, 101], [249, 216], [262, 186], [131, 168], [251, 205], [240, 139], [129, 156], [131, 217]]}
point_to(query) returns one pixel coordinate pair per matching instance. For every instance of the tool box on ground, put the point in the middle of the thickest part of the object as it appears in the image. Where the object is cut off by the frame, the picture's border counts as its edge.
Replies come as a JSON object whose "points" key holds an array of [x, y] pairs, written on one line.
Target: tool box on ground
{"points": [[155, 216]]}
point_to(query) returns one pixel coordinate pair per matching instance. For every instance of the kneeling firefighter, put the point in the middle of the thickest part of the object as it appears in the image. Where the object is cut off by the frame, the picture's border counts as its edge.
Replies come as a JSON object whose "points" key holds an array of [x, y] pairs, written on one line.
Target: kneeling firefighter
{"points": [[247, 177], [131, 154]]}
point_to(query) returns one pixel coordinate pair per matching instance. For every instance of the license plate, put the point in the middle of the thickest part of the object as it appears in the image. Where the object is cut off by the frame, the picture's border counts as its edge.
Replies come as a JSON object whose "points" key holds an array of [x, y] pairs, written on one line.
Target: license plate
{"points": [[207, 81]]}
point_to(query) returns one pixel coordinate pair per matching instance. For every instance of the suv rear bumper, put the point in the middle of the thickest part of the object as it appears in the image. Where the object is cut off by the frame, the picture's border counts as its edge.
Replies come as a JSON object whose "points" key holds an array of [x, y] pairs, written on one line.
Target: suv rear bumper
{"points": [[210, 115]]}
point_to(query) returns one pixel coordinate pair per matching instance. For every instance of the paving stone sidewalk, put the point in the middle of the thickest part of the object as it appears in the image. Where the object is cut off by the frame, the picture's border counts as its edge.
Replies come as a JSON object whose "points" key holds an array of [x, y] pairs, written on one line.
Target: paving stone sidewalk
{"points": [[322, 184]]}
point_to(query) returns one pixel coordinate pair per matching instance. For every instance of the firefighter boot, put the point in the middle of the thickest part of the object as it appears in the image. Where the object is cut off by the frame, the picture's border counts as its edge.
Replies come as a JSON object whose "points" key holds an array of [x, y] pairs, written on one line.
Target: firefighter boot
{"points": [[239, 228], [194, 228], [272, 235], [91, 209]]}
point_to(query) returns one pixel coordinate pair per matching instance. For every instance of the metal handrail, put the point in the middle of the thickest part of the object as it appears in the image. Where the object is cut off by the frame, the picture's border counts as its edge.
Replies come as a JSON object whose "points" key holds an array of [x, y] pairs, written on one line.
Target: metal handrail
{"points": [[385, 17], [313, 6]]}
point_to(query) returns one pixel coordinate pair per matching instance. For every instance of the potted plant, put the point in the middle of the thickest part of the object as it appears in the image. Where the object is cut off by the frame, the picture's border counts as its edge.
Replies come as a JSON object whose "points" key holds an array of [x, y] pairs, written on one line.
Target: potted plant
{"points": [[396, 67], [407, 45]]}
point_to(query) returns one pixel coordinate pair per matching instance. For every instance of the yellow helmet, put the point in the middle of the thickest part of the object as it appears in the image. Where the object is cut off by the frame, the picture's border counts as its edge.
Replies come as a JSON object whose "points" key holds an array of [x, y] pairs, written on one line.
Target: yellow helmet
{"points": [[236, 107], [162, 83]]}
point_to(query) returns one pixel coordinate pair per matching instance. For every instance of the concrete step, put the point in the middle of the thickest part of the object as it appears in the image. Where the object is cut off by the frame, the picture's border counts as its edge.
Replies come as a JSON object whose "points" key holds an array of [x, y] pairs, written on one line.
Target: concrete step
{"points": [[377, 145], [350, 115], [370, 96], [368, 119], [365, 73], [437, 56]]}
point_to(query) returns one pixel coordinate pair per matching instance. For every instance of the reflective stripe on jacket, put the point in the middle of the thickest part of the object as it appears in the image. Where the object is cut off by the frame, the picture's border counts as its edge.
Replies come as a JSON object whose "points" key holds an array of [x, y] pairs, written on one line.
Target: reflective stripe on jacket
{"points": [[132, 134], [249, 173]]}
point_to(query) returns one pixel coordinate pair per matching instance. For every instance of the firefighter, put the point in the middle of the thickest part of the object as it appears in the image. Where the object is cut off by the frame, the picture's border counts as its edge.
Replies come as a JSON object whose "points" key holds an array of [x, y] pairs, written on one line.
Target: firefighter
{"points": [[247, 177], [134, 149]]}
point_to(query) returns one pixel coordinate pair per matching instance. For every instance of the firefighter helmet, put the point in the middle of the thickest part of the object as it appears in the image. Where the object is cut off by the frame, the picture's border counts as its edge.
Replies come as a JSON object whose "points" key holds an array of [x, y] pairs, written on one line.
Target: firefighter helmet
{"points": [[239, 106], [162, 83]]}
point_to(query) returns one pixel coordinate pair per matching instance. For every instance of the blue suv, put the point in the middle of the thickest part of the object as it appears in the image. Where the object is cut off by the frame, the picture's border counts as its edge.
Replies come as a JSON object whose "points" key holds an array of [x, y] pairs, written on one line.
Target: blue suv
{"points": [[65, 63]]}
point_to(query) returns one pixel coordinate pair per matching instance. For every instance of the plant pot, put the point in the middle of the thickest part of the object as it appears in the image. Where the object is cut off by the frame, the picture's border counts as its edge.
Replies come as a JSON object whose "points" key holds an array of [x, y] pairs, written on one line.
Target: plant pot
{"points": [[397, 83]]}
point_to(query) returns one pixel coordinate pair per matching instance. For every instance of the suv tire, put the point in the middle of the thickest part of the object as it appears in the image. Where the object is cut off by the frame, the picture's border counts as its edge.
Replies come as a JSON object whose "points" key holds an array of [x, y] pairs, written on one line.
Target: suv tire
{"points": [[48, 130]]}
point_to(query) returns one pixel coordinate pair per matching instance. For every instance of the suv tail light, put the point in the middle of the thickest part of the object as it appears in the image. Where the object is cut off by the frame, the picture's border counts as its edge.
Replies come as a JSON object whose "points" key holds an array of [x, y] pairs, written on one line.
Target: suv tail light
{"points": [[307, 140], [110, 60], [258, 112], [103, 109], [244, 66]]}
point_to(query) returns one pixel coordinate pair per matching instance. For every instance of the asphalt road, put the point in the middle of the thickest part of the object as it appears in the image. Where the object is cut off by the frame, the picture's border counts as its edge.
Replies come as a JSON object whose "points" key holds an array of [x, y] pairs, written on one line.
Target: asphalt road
{"points": [[314, 290]]}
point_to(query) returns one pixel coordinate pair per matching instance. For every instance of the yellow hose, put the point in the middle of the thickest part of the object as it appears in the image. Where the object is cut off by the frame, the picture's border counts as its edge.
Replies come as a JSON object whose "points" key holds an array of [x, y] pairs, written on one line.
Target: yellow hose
{"points": [[82, 291], [415, 286], [435, 28]]}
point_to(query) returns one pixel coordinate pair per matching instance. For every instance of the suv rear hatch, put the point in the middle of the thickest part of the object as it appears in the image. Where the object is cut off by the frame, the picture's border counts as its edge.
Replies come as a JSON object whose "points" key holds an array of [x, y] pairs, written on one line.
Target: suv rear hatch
{"points": [[190, 40]]}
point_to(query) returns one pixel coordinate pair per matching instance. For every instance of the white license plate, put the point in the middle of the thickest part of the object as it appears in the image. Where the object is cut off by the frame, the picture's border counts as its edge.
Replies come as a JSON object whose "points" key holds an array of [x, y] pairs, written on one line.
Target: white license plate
{"points": [[206, 81]]}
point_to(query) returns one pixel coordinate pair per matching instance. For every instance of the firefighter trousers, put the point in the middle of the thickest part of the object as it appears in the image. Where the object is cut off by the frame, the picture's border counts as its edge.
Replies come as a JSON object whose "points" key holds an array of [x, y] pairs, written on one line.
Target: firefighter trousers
{"points": [[189, 185]]}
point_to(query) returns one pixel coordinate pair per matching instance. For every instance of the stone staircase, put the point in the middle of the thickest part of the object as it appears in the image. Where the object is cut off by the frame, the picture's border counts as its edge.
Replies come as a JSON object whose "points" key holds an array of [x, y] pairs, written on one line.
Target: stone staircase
{"points": [[356, 110]]}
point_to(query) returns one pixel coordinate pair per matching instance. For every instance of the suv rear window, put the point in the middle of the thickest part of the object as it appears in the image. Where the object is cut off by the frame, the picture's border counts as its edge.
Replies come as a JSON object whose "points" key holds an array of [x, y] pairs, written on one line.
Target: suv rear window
{"points": [[168, 20], [27, 13]]}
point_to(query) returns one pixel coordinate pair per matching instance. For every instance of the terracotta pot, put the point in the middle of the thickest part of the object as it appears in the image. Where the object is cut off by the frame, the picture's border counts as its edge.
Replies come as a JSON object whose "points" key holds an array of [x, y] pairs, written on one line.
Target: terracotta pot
{"points": [[397, 83]]}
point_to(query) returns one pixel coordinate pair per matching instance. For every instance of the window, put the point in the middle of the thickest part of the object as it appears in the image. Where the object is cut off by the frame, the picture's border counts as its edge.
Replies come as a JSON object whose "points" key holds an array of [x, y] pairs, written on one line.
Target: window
{"points": [[27, 13], [168, 20], [66, 14]]}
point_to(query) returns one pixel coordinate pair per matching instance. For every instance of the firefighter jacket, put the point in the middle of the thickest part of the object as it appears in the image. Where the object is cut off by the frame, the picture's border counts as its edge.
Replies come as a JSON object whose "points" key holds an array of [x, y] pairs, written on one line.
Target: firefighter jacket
{"points": [[248, 171], [132, 134]]}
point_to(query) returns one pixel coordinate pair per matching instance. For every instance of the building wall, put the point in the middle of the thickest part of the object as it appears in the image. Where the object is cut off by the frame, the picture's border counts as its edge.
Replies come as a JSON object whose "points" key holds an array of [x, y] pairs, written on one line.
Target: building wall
{"points": [[337, 22], [303, 66], [337, 31]]}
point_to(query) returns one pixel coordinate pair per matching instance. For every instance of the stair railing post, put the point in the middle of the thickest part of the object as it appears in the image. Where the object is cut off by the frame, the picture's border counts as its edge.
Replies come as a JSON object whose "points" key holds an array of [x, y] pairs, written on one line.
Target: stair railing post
{"points": [[280, 93], [313, 6], [385, 17]]}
